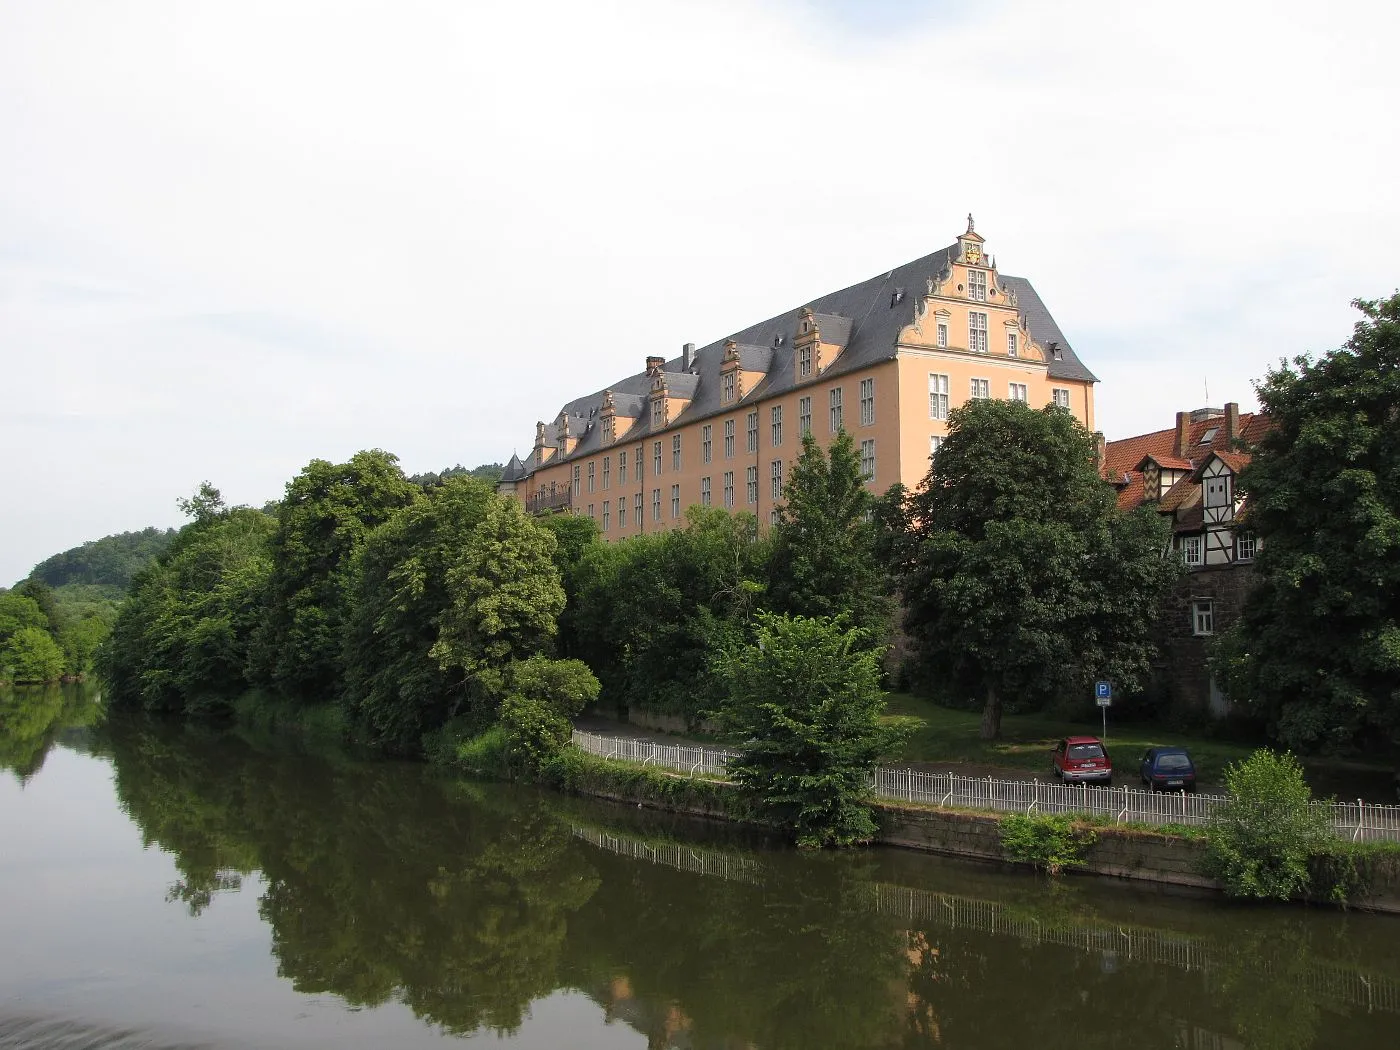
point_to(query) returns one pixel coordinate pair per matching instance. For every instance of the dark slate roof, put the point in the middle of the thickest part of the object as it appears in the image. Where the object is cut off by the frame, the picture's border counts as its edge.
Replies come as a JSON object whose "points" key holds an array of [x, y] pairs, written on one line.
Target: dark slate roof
{"points": [[755, 358], [864, 318], [515, 470]]}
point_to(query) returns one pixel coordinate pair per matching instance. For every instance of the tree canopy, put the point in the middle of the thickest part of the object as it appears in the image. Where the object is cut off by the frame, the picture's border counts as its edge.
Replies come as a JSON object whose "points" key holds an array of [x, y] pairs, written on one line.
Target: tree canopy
{"points": [[111, 561], [322, 521], [1019, 576], [1316, 651]]}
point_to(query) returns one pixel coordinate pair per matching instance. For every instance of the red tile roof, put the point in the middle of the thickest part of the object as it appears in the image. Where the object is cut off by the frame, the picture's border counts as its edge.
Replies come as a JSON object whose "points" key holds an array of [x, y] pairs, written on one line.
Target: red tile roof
{"points": [[1127, 454]]}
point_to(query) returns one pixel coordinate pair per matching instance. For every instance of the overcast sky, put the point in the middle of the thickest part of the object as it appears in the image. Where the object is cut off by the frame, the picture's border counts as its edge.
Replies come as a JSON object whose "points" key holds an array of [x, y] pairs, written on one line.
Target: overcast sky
{"points": [[237, 236]]}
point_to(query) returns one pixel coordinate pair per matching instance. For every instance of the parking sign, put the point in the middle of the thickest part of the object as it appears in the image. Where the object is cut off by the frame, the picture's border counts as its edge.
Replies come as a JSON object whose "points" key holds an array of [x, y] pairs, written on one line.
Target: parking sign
{"points": [[1103, 690]]}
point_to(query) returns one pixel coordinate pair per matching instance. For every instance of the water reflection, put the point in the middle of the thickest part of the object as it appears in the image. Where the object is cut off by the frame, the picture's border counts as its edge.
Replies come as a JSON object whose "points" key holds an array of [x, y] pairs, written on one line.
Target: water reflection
{"points": [[475, 905], [33, 716]]}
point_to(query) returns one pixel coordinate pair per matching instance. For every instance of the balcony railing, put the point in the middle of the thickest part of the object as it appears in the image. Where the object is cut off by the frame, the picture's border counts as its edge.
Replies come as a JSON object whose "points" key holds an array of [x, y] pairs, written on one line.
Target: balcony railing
{"points": [[549, 502]]}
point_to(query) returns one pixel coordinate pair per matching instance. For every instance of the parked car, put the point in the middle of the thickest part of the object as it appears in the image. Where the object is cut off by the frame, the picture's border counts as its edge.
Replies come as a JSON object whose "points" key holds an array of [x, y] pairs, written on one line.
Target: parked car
{"points": [[1080, 759], [1167, 769]]}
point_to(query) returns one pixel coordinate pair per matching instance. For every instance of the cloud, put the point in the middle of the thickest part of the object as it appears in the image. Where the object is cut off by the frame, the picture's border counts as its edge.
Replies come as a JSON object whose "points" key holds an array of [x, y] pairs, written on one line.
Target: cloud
{"points": [[242, 235]]}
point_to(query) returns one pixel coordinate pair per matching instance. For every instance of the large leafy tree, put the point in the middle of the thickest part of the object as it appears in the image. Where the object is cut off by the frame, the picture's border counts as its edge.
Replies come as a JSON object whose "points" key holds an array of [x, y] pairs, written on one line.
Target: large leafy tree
{"points": [[825, 547], [448, 592], [180, 642], [30, 655], [1020, 577], [805, 696], [1317, 648], [322, 521], [652, 612]]}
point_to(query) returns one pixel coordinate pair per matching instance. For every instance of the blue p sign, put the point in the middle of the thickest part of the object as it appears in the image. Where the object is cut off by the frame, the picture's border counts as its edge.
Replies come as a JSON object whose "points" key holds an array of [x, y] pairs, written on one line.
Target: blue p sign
{"points": [[1103, 690]]}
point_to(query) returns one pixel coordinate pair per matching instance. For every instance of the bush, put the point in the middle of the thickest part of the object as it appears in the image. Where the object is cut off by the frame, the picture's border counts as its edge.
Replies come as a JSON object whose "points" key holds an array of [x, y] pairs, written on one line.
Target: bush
{"points": [[806, 700], [31, 655], [544, 695], [1262, 841], [1049, 843]]}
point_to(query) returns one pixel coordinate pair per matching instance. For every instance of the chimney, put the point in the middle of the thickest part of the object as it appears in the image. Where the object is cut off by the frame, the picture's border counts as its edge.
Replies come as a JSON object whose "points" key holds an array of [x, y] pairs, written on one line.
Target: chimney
{"points": [[1183, 433], [1232, 423], [687, 356], [654, 363]]}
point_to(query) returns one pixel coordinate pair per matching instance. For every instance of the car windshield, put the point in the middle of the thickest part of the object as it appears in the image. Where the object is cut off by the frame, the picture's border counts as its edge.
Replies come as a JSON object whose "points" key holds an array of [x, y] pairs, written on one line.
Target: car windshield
{"points": [[1173, 762], [1086, 751]]}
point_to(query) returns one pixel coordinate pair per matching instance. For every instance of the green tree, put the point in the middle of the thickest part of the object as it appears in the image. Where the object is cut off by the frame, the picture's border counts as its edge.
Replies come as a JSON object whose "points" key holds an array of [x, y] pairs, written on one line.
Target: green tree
{"points": [[1316, 651], [322, 521], [806, 699], [444, 597], [652, 612], [206, 503], [1019, 576], [80, 640], [181, 640], [31, 655], [825, 546], [18, 611], [1263, 838], [574, 534], [109, 562], [543, 696]]}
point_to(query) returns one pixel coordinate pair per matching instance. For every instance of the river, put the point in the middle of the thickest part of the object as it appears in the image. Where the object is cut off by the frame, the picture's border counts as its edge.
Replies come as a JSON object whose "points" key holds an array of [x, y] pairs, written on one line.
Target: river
{"points": [[165, 886]]}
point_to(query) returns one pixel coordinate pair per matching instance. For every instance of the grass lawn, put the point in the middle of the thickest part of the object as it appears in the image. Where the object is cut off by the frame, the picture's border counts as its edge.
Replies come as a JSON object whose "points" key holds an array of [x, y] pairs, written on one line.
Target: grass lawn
{"points": [[952, 736]]}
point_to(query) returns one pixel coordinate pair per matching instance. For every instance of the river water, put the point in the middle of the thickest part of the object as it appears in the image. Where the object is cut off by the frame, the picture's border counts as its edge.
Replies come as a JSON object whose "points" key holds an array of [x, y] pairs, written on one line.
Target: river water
{"points": [[167, 886]]}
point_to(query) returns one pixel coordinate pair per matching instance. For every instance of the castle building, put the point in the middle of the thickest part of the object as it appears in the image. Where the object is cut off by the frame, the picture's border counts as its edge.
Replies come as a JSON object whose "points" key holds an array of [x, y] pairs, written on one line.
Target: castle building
{"points": [[1190, 474], [886, 360]]}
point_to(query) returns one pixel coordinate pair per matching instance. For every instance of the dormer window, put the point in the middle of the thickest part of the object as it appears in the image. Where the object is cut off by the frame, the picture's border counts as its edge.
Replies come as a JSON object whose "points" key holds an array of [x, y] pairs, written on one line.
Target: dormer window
{"points": [[658, 413], [1011, 344], [943, 332], [977, 285], [804, 362], [1209, 435], [726, 388]]}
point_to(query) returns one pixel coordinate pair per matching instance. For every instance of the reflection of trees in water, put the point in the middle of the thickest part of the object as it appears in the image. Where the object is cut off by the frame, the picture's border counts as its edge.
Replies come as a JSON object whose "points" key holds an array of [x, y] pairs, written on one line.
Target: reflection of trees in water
{"points": [[33, 716], [380, 885], [377, 887]]}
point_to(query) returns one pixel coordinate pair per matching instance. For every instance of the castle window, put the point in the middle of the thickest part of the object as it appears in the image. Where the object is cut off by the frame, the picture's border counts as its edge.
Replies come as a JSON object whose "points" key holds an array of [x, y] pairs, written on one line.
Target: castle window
{"points": [[622, 513], [867, 402], [751, 483], [1060, 396], [590, 477], [578, 487], [977, 332], [729, 489], [935, 442], [726, 388], [1011, 344], [752, 423], [637, 509], [675, 501], [655, 504], [704, 492], [837, 418], [656, 459], [867, 460], [804, 416], [729, 439], [942, 333], [1203, 617], [707, 444], [804, 362], [777, 479], [977, 285], [622, 468], [640, 468], [607, 472], [658, 413], [980, 388], [777, 420], [1017, 392], [607, 515], [937, 396], [676, 452]]}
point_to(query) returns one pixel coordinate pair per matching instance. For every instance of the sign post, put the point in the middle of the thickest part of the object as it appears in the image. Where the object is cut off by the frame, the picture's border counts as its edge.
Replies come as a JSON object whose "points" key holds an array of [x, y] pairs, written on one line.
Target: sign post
{"points": [[1103, 696]]}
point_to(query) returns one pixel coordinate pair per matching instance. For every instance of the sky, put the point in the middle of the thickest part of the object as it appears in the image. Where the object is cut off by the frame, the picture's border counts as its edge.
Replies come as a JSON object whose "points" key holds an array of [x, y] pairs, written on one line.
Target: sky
{"points": [[237, 236]]}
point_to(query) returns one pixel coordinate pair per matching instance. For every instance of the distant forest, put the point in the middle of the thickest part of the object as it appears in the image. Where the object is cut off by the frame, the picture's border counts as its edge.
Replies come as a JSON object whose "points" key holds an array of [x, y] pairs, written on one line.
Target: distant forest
{"points": [[109, 562], [488, 472]]}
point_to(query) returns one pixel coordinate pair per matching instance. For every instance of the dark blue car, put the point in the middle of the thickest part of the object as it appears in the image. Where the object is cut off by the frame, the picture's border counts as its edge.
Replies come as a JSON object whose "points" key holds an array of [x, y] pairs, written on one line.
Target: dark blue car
{"points": [[1168, 769]]}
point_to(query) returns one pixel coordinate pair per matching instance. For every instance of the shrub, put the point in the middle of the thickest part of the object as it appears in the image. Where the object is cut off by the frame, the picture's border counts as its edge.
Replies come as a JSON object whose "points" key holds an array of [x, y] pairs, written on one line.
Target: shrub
{"points": [[1262, 840], [1050, 843], [806, 700], [544, 695]]}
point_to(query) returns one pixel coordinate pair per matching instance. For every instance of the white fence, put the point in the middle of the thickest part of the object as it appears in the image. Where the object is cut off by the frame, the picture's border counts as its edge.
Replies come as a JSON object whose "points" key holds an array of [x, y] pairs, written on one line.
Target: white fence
{"points": [[1358, 821]]}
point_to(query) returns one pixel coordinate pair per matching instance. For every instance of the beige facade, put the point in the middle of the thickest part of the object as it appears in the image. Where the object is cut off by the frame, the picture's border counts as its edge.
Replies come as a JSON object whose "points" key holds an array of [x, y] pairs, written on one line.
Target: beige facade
{"points": [[886, 360]]}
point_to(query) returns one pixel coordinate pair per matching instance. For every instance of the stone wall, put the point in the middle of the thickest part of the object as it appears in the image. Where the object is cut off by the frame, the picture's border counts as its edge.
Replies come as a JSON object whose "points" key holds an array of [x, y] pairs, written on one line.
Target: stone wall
{"points": [[1181, 670]]}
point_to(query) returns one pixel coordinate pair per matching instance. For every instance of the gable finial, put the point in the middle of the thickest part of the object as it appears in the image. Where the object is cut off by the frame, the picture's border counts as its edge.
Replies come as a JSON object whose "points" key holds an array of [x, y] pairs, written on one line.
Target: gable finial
{"points": [[971, 226]]}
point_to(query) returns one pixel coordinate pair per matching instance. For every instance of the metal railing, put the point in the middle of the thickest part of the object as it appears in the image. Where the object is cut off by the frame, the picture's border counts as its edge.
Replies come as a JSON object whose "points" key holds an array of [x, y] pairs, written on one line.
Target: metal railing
{"points": [[1358, 821]]}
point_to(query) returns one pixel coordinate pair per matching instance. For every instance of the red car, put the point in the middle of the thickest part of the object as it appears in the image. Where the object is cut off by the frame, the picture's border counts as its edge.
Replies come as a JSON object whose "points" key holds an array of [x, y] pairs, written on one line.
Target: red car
{"points": [[1081, 758]]}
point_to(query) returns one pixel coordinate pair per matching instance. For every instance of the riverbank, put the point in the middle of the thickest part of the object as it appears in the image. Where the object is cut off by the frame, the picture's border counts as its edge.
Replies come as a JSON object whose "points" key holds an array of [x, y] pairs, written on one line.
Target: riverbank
{"points": [[1118, 852]]}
